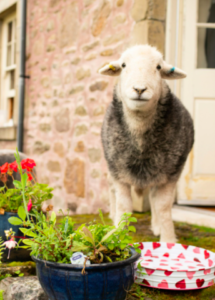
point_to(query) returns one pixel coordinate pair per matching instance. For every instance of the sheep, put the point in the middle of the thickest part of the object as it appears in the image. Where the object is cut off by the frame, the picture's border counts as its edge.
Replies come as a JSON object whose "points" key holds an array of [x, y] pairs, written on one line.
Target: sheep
{"points": [[147, 134]]}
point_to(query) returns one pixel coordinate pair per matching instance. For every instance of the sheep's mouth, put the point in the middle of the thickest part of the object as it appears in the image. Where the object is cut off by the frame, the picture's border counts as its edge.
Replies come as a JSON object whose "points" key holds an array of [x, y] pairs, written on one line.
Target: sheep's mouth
{"points": [[139, 99]]}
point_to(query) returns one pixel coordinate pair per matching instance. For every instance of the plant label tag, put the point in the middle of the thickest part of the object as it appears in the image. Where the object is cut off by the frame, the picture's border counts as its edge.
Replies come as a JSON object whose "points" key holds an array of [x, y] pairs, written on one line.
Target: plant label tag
{"points": [[78, 258]]}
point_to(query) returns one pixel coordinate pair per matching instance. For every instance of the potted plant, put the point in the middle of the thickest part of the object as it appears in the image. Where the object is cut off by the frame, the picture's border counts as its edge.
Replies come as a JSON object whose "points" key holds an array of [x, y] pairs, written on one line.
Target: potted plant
{"points": [[95, 261], [11, 199]]}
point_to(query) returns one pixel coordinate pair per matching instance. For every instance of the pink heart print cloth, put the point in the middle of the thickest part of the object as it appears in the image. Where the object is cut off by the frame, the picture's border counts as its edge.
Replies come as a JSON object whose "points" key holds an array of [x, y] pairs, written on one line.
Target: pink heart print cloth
{"points": [[175, 266]]}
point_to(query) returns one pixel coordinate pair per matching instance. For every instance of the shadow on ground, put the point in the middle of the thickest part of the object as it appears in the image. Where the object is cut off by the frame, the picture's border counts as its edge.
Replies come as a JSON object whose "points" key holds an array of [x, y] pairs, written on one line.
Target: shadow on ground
{"points": [[186, 234]]}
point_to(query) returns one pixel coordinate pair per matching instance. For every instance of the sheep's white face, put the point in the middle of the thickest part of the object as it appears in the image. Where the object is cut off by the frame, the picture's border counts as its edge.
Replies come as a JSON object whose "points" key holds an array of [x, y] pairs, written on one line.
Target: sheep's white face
{"points": [[141, 70]]}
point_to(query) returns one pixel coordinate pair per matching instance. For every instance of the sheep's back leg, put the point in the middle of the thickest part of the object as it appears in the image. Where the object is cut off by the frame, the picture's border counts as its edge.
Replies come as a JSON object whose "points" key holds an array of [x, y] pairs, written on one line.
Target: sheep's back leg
{"points": [[123, 200], [112, 197], [163, 199], [155, 221]]}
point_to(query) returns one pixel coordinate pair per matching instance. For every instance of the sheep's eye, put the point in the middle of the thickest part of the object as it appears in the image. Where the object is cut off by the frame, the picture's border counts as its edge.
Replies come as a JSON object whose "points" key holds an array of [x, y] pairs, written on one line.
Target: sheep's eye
{"points": [[158, 67], [123, 65]]}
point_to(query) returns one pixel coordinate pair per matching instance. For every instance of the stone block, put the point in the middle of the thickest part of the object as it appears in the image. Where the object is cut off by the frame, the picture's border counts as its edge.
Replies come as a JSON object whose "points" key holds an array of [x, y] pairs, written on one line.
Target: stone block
{"points": [[40, 147], [81, 111], [22, 288], [53, 166], [50, 25], [119, 2], [139, 10], [76, 89], [74, 177], [99, 85], [151, 32], [90, 56], [50, 48], [75, 61], [83, 209], [70, 50], [94, 154], [119, 19], [72, 206], [59, 149], [82, 73], [62, 120], [79, 147], [45, 82], [90, 46], [95, 173], [112, 39], [45, 127], [140, 33], [81, 129], [98, 111], [53, 3], [100, 17], [157, 9], [156, 35], [107, 52], [88, 2], [69, 25]]}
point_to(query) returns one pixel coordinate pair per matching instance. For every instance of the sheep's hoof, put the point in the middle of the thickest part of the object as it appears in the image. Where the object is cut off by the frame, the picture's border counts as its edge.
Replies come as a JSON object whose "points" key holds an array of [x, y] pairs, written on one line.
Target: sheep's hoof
{"points": [[168, 240], [156, 230]]}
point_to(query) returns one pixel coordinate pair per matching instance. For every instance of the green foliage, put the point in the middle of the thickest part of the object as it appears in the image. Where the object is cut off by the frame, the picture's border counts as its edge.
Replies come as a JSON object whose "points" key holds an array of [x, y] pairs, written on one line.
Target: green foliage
{"points": [[136, 292], [104, 243], [1, 294], [12, 199], [57, 242], [19, 273]]}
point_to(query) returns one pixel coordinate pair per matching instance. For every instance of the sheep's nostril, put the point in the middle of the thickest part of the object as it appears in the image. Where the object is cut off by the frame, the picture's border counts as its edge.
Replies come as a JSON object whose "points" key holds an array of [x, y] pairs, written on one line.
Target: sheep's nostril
{"points": [[140, 91]]}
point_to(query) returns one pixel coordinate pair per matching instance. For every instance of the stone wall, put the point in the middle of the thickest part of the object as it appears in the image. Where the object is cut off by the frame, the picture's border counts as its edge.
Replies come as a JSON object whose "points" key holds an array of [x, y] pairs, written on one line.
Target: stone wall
{"points": [[66, 98]]}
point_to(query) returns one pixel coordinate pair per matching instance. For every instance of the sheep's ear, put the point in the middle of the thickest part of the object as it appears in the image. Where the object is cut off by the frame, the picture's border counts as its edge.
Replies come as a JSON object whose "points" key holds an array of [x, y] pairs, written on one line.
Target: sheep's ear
{"points": [[112, 69], [170, 72]]}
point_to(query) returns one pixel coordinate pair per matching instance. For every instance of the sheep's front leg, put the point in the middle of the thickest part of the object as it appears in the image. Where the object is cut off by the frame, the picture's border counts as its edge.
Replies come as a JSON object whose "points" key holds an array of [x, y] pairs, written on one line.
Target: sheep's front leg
{"points": [[123, 200], [163, 200]]}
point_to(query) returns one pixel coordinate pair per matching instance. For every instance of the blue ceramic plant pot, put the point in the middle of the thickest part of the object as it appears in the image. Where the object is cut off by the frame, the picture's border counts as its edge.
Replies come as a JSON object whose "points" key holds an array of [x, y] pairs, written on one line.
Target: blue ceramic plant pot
{"points": [[15, 254], [108, 281]]}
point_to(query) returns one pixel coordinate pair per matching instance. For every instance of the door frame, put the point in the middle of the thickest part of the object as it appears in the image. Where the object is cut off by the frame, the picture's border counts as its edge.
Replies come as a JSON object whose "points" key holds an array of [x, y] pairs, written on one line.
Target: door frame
{"points": [[176, 38]]}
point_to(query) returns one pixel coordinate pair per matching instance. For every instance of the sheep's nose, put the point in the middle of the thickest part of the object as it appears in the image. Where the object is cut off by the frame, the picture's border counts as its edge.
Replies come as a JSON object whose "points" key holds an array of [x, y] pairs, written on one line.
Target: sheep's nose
{"points": [[140, 91]]}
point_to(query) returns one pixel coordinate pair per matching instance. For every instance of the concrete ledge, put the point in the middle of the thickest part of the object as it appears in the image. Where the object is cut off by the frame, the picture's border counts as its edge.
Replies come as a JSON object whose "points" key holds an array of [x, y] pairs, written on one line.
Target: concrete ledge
{"points": [[5, 4], [8, 133], [193, 216]]}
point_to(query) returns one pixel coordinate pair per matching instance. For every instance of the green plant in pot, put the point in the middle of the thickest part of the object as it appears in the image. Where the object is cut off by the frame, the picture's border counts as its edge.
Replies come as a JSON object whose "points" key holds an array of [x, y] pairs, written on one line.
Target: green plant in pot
{"points": [[11, 200], [94, 261]]}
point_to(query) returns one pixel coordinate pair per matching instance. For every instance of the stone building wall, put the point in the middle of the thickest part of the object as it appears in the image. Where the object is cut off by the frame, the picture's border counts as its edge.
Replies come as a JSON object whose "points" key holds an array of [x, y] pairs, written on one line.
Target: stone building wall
{"points": [[66, 98]]}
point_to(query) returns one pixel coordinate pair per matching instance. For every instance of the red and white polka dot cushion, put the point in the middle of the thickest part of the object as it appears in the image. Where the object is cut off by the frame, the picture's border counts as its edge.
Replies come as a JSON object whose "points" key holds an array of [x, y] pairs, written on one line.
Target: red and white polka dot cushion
{"points": [[175, 266]]}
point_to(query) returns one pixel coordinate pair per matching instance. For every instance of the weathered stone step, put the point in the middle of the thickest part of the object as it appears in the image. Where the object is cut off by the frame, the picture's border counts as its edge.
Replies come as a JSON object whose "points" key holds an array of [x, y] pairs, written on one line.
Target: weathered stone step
{"points": [[22, 288]]}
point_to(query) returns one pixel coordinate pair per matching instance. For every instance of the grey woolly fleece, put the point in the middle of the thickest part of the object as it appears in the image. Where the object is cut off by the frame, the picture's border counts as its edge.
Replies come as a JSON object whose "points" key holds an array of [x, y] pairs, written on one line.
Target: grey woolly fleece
{"points": [[154, 157]]}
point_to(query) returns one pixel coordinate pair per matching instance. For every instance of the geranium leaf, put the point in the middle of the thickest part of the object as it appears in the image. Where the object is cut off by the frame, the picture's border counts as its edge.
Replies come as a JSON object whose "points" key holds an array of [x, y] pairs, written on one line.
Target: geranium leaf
{"points": [[22, 213], [132, 228], [17, 184], [15, 221]]}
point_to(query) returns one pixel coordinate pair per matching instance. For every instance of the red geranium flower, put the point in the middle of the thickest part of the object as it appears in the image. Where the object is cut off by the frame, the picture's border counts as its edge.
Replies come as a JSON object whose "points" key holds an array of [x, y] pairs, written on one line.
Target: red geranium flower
{"points": [[13, 166], [4, 168], [29, 177], [28, 164]]}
